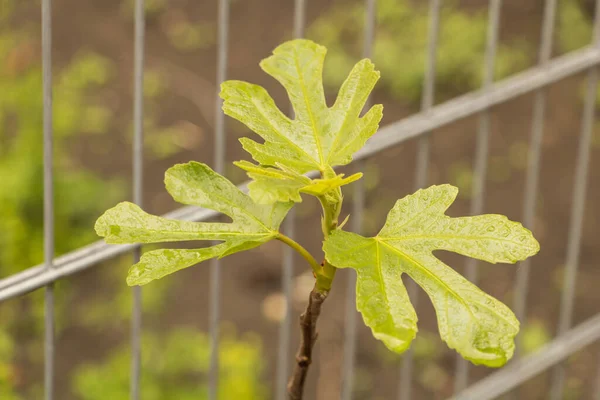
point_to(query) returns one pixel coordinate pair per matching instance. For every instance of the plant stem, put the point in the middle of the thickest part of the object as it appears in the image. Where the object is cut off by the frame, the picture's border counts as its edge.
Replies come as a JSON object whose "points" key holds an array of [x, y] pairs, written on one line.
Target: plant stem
{"points": [[308, 326], [331, 213], [323, 275], [316, 267]]}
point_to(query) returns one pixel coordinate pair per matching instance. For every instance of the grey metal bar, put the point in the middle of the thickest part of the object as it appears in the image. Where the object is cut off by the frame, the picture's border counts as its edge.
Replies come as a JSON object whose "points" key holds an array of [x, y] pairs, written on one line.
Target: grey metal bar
{"points": [[222, 52], [350, 317], [481, 161], [48, 133], [388, 136], [358, 206], [577, 210], [49, 340], [79, 260], [49, 337], [533, 168], [26, 274], [597, 385], [514, 374], [431, 61], [136, 332], [220, 144], [483, 133], [421, 172], [299, 18], [477, 101], [287, 276], [138, 168], [283, 368]]}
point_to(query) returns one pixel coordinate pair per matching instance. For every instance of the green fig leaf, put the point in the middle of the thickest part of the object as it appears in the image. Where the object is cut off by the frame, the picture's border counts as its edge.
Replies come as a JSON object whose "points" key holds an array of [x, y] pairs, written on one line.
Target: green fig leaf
{"points": [[194, 184], [479, 327], [319, 137]]}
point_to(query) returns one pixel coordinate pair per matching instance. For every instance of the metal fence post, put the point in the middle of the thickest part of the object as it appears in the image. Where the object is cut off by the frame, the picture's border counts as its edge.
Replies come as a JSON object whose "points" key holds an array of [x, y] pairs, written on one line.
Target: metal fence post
{"points": [[358, 206], [138, 178], [49, 337], [567, 302], [220, 148], [287, 276], [533, 164], [481, 162], [422, 171]]}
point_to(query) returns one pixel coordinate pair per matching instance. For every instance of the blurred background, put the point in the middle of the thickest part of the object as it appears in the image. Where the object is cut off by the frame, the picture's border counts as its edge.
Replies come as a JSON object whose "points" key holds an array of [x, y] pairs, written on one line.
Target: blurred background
{"points": [[93, 81]]}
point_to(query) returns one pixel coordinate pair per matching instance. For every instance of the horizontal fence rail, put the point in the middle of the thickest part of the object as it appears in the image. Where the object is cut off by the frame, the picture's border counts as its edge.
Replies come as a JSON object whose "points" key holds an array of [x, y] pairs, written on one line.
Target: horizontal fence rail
{"points": [[388, 136], [518, 372]]}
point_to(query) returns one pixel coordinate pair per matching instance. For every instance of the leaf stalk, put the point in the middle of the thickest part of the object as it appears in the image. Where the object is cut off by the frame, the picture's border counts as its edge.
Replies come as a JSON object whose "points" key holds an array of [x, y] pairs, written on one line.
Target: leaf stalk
{"points": [[321, 273]]}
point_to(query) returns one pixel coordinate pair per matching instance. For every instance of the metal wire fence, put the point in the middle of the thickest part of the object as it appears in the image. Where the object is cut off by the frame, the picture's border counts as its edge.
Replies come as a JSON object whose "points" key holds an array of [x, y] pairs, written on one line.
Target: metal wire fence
{"points": [[420, 127]]}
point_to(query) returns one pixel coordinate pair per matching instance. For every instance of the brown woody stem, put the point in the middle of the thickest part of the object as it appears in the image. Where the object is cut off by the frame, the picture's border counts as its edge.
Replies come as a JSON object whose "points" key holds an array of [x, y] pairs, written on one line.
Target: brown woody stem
{"points": [[308, 328]]}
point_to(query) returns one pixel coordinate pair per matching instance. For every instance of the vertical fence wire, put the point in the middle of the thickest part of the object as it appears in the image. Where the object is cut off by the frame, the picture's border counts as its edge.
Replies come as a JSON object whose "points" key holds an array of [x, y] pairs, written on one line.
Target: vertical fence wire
{"points": [[577, 211], [533, 165], [358, 206], [481, 162], [49, 338], [350, 328], [422, 170], [138, 168], [285, 331], [299, 18], [219, 148], [597, 383], [287, 276]]}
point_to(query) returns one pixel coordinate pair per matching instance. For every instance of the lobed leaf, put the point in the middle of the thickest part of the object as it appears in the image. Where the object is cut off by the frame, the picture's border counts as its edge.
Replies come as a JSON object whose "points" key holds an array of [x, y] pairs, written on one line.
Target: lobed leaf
{"points": [[283, 184], [195, 184], [319, 137], [479, 327]]}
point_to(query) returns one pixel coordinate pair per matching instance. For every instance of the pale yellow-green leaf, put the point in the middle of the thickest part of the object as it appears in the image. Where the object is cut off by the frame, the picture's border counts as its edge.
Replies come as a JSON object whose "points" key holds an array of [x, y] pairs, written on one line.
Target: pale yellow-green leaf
{"points": [[272, 184], [284, 184], [479, 327], [320, 187], [319, 137], [195, 184]]}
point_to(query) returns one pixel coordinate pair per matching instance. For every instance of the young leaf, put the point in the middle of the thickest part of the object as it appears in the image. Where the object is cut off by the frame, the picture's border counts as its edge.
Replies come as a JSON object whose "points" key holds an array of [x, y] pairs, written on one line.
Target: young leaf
{"points": [[319, 137], [195, 184], [479, 327], [283, 184]]}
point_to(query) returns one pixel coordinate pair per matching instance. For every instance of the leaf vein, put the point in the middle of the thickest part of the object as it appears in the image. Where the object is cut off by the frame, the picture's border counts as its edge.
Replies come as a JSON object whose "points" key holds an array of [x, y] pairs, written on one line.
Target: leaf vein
{"points": [[443, 284], [309, 109]]}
